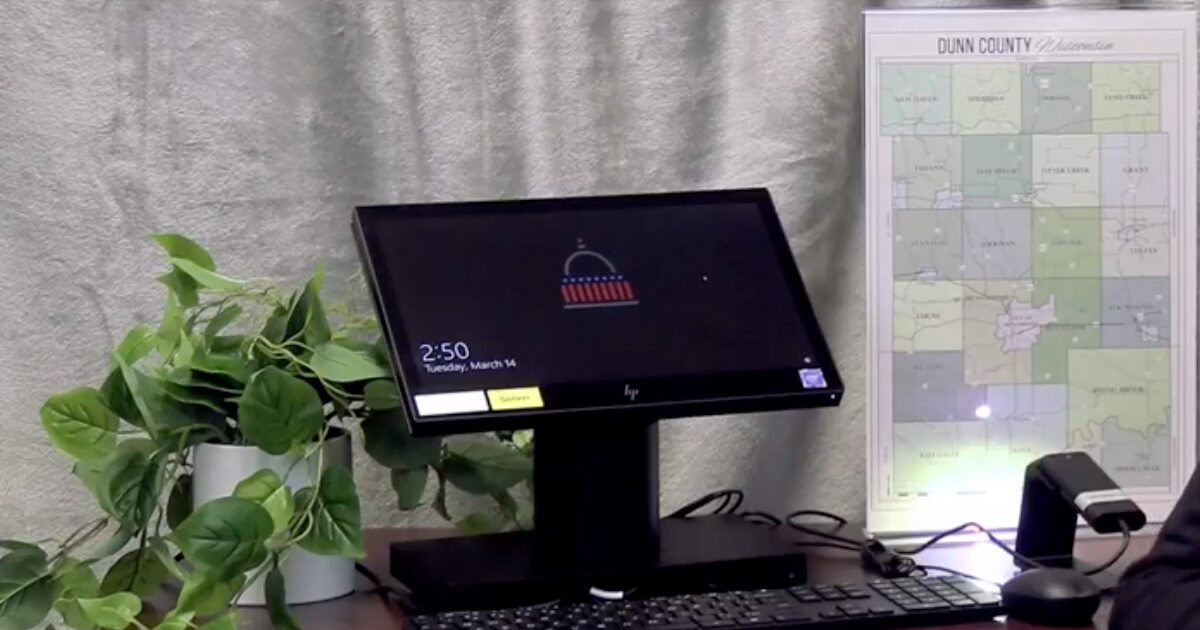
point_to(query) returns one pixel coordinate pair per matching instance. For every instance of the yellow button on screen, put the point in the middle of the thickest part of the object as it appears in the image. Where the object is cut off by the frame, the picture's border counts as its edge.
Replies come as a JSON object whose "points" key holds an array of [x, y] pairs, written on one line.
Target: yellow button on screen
{"points": [[515, 398]]}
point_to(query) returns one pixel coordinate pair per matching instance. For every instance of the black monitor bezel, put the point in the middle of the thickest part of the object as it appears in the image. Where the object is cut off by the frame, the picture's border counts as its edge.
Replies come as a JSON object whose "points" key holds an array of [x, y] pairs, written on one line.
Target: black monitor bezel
{"points": [[378, 279]]}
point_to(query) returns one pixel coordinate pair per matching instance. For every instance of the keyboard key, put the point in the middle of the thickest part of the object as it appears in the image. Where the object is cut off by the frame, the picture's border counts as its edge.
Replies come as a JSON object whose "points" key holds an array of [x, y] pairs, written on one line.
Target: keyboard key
{"points": [[880, 610], [832, 614], [984, 598]]}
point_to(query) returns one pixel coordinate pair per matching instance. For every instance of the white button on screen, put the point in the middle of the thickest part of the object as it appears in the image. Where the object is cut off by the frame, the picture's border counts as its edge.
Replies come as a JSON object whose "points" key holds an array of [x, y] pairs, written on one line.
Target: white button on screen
{"points": [[451, 402]]}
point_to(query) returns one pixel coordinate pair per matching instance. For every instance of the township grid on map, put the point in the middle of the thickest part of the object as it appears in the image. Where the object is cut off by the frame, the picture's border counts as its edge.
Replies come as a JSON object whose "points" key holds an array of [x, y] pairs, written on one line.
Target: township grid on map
{"points": [[1031, 267]]}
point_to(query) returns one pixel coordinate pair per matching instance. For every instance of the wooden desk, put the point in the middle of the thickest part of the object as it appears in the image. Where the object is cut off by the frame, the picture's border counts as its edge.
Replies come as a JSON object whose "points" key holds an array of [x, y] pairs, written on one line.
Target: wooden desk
{"points": [[364, 610]]}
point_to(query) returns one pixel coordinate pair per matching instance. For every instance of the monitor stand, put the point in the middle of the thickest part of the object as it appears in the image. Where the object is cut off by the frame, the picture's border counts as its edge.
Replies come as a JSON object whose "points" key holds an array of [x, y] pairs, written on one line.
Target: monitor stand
{"points": [[596, 525]]}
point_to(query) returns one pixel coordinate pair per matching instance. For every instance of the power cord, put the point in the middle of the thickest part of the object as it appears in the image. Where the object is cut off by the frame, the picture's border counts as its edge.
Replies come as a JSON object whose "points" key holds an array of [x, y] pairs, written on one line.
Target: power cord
{"points": [[926, 568], [730, 499], [1116, 556], [972, 525], [877, 557]]}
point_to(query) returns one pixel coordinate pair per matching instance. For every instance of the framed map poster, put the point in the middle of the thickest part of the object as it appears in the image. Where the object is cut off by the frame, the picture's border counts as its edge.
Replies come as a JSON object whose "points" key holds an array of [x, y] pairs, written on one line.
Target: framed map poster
{"points": [[1030, 193]]}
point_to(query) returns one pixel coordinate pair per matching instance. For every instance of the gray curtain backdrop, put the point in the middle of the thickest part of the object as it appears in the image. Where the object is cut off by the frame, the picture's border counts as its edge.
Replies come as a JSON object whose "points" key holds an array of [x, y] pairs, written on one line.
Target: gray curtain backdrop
{"points": [[255, 126]]}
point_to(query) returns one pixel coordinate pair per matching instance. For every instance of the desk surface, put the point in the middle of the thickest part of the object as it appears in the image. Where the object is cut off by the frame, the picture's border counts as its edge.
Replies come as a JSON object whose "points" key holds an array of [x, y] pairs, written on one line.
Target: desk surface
{"points": [[364, 610]]}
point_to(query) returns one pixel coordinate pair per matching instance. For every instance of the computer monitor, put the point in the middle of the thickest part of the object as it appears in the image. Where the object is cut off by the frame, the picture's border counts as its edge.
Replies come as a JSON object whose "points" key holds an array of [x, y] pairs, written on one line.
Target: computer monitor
{"points": [[589, 319], [506, 314]]}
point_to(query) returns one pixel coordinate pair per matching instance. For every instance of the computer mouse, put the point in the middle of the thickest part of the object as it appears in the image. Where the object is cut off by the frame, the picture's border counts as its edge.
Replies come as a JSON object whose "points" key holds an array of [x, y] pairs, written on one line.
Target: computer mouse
{"points": [[1051, 596]]}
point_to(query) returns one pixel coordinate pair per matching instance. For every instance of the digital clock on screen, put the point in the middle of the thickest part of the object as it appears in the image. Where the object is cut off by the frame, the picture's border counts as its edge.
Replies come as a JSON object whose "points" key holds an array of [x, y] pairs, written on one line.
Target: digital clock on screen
{"points": [[444, 351]]}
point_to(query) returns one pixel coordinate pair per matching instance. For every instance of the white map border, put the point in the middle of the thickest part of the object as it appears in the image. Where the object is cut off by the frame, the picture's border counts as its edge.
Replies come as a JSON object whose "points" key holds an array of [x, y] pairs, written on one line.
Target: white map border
{"points": [[1153, 35]]}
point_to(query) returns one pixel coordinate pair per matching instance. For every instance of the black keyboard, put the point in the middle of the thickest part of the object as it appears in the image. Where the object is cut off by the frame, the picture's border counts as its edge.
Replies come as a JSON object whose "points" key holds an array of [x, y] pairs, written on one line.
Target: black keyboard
{"points": [[877, 604]]}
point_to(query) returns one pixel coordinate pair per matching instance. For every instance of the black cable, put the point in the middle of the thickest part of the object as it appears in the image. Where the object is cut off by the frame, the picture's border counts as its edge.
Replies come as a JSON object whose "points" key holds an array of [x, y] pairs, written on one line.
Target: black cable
{"points": [[841, 522], [762, 517], [820, 534], [731, 500], [737, 497], [992, 537], [1117, 556], [926, 568], [831, 545]]}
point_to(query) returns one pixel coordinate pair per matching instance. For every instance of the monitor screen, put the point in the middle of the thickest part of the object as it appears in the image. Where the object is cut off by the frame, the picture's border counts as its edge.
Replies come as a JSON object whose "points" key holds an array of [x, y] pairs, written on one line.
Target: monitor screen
{"points": [[502, 314]]}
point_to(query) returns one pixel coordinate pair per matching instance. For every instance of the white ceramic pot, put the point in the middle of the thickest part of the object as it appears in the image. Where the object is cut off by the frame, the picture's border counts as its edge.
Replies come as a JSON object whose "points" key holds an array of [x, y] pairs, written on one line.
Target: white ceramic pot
{"points": [[308, 577]]}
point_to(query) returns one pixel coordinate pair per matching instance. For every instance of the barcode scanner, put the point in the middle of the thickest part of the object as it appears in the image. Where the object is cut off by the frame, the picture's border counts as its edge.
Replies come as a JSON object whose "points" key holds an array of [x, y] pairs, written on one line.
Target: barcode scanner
{"points": [[1055, 589]]}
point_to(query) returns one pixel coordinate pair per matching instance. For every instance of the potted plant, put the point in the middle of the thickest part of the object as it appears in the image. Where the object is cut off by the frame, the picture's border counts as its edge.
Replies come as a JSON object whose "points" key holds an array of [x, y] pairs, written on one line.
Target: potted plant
{"points": [[218, 448]]}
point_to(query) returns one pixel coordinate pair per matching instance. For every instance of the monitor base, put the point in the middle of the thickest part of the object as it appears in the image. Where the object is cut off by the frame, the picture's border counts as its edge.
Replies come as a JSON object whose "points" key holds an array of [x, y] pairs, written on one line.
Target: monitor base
{"points": [[504, 570]]}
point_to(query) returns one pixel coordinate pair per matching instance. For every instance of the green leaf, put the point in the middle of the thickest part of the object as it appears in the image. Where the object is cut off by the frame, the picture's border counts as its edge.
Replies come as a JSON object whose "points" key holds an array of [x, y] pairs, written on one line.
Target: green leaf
{"points": [[339, 364], [26, 591], [173, 324], [337, 519], [210, 399], [138, 343], [157, 409], [214, 383], [182, 286], [168, 419], [115, 395], [91, 474], [381, 395], [179, 246], [114, 611], [175, 621], [278, 411], [507, 505], [131, 482], [266, 489], [388, 441], [229, 364], [224, 537], [277, 610], [481, 465], [227, 344], [477, 523], [115, 543], [306, 316], [228, 621], [79, 424], [27, 606], [159, 548], [139, 572], [276, 325], [205, 277], [409, 486], [523, 440], [186, 349], [205, 596], [74, 580], [179, 503], [223, 318]]}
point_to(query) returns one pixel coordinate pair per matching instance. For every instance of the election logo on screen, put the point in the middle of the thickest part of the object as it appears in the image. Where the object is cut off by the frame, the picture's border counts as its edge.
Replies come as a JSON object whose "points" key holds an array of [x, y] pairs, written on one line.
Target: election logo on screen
{"points": [[590, 280]]}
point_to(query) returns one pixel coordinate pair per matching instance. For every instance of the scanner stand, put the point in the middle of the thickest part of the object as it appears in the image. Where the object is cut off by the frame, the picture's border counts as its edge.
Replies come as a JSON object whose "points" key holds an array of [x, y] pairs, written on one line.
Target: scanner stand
{"points": [[1046, 531], [596, 526]]}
